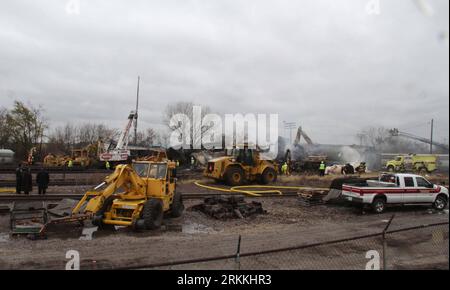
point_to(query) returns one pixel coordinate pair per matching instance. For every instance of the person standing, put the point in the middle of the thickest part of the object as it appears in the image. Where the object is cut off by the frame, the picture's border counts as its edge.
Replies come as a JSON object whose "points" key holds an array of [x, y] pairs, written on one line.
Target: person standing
{"points": [[19, 179], [284, 168], [27, 181], [107, 165], [42, 180], [322, 168]]}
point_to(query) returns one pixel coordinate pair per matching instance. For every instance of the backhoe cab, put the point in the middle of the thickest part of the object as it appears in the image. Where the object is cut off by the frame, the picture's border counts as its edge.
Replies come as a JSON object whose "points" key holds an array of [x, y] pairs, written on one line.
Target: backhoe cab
{"points": [[136, 195], [242, 164]]}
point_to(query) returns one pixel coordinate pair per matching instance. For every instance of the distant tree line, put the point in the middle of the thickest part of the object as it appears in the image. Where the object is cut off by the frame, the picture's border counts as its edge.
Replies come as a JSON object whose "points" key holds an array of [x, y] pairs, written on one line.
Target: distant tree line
{"points": [[25, 126]]}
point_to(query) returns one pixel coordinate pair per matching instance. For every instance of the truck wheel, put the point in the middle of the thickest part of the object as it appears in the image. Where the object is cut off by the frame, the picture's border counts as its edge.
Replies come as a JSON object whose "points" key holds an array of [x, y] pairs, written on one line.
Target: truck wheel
{"points": [[177, 206], [378, 205], [391, 168], [234, 176], [269, 176], [440, 203], [152, 214]]}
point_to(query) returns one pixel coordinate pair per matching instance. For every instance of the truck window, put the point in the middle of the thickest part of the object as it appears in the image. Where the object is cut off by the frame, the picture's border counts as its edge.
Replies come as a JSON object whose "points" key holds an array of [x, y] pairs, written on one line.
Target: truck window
{"points": [[409, 182], [422, 182], [388, 178]]}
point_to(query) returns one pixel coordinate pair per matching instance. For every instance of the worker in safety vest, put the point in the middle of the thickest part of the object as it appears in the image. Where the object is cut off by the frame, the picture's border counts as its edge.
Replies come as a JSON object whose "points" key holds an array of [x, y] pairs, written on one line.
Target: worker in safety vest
{"points": [[192, 162], [322, 168], [284, 168], [178, 163], [107, 165], [70, 163]]}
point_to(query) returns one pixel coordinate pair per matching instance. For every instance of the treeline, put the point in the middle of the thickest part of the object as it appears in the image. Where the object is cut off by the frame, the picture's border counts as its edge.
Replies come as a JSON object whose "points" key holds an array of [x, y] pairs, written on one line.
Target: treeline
{"points": [[25, 126]]}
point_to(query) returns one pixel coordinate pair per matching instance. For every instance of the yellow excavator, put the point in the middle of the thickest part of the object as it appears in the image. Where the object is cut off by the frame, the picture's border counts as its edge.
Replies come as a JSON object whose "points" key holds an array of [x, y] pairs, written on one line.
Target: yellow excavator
{"points": [[136, 195]]}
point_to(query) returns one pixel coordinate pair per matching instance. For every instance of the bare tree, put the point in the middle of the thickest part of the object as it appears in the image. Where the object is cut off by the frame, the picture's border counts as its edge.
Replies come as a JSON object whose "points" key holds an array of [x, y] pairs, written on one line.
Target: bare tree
{"points": [[175, 112], [65, 138], [146, 138], [5, 136]]}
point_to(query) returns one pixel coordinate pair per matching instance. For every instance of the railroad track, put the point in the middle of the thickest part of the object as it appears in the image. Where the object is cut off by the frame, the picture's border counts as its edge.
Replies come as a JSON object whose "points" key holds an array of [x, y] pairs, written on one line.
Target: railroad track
{"points": [[61, 182], [35, 169], [57, 197]]}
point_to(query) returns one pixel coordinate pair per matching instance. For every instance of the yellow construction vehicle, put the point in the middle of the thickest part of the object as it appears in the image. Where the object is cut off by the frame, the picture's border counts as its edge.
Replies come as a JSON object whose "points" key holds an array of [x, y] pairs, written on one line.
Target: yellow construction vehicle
{"points": [[136, 195], [242, 165]]}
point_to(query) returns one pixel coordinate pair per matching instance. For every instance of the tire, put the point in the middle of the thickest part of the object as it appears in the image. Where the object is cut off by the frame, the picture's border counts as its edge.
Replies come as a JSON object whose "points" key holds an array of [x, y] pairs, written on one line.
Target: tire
{"points": [[152, 214], [269, 176], [177, 206], [378, 205], [234, 176], [391, 168], [440, 203], [97, 219]]}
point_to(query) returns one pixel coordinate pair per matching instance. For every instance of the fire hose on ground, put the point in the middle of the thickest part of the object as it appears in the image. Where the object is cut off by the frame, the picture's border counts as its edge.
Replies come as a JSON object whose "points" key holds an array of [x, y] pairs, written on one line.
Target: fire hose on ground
{"points": [[269, 189]]}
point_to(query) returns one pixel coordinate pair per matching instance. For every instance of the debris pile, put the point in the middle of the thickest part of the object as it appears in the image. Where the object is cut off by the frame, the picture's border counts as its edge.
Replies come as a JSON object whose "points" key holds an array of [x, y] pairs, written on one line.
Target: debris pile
{"points": [[28, 218], [228, 207], [311, 198]]}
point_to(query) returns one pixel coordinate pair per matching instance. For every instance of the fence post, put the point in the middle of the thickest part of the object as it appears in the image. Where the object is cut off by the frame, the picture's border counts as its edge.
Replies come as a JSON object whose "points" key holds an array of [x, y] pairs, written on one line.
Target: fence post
{"points": [[238, 254], [384, 242]]}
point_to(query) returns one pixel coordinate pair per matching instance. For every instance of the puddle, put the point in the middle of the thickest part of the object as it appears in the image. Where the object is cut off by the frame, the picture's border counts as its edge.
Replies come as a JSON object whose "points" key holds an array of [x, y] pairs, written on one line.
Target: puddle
{"points": [[195, 228], [4, 237]]}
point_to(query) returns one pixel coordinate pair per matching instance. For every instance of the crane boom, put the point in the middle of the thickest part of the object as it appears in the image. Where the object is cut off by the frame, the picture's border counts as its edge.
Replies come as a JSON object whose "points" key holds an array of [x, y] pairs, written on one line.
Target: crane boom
{"points": [[123, 139], [396, 132]]}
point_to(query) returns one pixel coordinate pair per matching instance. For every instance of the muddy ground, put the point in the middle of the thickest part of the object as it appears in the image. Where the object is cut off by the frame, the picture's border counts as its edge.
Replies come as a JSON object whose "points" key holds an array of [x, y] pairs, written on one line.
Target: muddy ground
{"points": [[195, 235]]}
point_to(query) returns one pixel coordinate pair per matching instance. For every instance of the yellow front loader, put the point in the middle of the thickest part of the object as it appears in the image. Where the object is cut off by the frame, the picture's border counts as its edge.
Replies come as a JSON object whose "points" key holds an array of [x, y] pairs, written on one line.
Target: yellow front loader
{"points": [[136, 195]]}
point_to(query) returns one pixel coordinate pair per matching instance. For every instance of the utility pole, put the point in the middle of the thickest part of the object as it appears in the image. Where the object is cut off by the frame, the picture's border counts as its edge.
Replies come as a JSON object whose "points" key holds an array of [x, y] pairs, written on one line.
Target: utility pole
{"points": [[431, 138], [289, 126], [136, 112]]}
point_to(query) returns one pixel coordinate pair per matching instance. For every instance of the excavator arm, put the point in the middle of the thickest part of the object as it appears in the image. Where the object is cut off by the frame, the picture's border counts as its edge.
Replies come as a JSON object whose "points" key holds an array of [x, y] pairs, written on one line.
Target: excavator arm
{"points": [[124, 177], [299, 135]]}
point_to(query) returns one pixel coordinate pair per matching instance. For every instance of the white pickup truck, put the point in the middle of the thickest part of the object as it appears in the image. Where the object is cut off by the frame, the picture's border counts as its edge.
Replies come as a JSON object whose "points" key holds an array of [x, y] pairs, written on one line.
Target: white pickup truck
{"points": [[396, 189]]}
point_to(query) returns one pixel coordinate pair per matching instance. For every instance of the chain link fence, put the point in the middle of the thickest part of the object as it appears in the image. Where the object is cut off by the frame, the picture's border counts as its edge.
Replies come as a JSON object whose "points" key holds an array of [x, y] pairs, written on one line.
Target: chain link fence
{"points": [[423, 247]]}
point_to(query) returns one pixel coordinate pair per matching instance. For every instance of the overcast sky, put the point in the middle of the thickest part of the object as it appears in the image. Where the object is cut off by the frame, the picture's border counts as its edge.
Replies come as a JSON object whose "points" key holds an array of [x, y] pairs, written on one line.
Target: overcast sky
{"points": [[334, 67]]}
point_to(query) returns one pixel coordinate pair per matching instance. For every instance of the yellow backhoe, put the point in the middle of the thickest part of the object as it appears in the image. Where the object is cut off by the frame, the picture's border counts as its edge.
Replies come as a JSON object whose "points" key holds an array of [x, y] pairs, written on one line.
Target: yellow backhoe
{"points": [[136, 195]]}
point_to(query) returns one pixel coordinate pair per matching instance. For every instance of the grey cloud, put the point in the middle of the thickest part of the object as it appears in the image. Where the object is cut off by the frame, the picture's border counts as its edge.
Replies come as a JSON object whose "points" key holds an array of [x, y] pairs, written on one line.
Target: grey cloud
{"points": [[322, 63]]}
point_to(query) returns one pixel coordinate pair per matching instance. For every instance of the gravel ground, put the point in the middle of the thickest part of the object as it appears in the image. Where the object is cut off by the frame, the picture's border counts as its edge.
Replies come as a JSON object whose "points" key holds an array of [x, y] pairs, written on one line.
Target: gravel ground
{"points": [[195, 235]]}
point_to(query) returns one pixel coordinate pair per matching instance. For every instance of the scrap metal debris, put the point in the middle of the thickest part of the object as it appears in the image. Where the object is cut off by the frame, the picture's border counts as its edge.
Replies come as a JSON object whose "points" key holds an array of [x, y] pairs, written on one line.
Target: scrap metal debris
{"points": [[223, 207], [28, 218], [63, 208], [311, 198]]}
